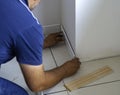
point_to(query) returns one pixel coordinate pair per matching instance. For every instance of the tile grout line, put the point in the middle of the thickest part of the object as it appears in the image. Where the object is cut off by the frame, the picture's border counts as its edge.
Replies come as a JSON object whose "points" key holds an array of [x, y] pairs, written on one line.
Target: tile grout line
{"points": [[68, 92], [100, 84], [84, 87], [55, 92], [57, 66], [54, 61], [53, 56], [101, 58]]}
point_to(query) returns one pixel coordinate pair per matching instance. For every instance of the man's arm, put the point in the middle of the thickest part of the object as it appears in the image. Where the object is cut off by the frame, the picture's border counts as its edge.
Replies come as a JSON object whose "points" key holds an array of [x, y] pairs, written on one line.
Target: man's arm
{"points": [[38, 80]]}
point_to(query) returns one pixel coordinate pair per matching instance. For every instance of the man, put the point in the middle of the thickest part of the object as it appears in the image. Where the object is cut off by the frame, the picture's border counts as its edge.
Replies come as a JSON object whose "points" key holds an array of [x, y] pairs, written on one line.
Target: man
{"points": [[21, 36]]}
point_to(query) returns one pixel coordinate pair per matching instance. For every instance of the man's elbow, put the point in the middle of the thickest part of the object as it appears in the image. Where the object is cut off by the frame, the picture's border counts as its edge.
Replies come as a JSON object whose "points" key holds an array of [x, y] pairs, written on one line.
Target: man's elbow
{"points": [[37, 88]]}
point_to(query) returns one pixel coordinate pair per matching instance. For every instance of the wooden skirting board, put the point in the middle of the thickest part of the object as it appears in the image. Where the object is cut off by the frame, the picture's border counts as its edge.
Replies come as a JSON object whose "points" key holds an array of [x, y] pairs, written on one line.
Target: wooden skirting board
{"points": [[89, 78]]}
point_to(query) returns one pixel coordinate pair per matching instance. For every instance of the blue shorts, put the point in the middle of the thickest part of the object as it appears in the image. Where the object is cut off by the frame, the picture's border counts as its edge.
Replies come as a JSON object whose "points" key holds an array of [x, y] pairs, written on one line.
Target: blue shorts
{"points": [[9, 88]]}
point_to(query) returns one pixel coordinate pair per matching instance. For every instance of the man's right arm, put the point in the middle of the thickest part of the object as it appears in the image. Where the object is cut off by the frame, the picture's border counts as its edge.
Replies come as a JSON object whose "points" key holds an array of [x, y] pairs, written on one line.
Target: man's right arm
{"points": [[38, 80]]}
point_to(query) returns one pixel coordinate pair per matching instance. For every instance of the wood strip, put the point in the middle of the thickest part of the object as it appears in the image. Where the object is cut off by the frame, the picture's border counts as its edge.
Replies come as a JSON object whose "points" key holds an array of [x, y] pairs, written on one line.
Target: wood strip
{"points": [[91, 77]]}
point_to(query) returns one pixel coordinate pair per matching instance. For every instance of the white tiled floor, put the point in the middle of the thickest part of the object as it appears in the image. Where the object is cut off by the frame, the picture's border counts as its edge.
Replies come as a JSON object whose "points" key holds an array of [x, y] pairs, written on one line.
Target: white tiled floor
{"points": [[104, 89], [56, 56], [50, 62], [60, 93], [12, 72], [107, 85]]}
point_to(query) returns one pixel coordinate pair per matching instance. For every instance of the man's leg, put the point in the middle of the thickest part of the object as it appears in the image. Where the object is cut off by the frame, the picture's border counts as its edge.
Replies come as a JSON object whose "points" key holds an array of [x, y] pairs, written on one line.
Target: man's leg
{"points": [[9, 88]]}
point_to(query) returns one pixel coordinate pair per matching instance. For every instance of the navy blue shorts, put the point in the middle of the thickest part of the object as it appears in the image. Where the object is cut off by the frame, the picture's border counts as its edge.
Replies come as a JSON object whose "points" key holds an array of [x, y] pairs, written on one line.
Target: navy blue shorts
{"points": [[9, 88]]}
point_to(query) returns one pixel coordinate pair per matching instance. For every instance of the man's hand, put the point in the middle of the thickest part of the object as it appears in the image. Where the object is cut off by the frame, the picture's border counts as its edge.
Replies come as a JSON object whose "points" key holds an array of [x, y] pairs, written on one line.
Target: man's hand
{"points": [[38, 79], [53, 39], [71, 67]]}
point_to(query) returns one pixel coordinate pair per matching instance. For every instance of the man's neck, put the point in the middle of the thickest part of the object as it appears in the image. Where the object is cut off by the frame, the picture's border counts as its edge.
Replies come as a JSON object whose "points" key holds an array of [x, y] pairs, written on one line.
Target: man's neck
{"points": [[30, 4], [25, 1]]}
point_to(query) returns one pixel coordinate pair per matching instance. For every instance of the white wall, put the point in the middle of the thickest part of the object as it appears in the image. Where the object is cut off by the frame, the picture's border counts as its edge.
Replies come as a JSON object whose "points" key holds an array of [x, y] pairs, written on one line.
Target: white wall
{"points": [[68, 19], [97, 28], [48, 13], [91, 25]]}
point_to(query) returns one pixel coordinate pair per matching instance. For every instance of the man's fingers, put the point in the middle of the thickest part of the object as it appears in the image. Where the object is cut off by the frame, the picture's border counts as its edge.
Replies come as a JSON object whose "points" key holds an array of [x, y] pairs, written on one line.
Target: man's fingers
{"points": [[59, 39], [58, 34], [76, 60]]}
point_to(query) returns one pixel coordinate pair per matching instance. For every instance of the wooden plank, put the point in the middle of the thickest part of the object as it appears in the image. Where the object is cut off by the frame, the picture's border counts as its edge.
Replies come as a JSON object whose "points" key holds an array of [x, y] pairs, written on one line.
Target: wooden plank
{"points": [[91, 77]]}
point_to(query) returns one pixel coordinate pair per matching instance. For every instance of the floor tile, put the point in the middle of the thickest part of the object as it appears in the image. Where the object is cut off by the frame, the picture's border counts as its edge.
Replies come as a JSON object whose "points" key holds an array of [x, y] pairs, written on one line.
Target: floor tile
{"points": [[59, 87], [61, 54], [104, 89], [60, 93], [89, 67], [48, 61], [12, 72]]}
